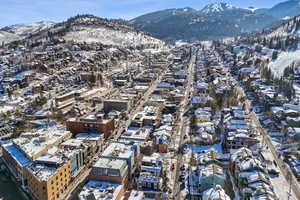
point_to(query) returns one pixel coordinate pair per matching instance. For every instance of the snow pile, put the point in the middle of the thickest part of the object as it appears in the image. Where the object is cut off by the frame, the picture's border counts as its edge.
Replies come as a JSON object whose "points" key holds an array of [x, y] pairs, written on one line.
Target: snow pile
{"points": [[284, 60], [108, 36]]}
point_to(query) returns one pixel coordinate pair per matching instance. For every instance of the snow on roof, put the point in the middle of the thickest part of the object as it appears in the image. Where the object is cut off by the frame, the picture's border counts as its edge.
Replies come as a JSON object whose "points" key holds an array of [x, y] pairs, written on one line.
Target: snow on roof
{"points": [[212, 170], [43, 172], [241, 154], [100, 190], [118, 150], [42, 139], [215, 193], [136, 195], [110, 163], [72, 142]]}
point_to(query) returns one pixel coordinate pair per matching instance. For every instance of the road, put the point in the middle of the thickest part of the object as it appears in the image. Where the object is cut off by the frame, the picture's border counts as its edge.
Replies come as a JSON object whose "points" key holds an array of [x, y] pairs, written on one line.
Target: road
{"points": [[139, 105], [182, 126], [83, 175]]}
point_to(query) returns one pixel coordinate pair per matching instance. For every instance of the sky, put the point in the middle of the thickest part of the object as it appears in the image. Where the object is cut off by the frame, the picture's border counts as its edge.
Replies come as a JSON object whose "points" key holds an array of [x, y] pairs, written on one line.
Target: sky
{"points": [[30, 11]]}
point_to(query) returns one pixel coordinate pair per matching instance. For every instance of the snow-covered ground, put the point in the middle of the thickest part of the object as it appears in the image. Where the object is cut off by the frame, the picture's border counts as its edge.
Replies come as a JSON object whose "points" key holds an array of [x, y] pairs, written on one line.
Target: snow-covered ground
{"points": [[111, 37], [7, 37], [25, 29], [284, 60]]}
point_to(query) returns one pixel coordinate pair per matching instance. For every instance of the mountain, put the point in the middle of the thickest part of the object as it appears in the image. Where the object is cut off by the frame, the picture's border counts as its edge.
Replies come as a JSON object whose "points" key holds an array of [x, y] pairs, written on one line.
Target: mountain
{"points": [[213, 21], [21, 31], [287, 9], [217, 8], [280, 45], [7, 37], [85, 29], [27, 29]]}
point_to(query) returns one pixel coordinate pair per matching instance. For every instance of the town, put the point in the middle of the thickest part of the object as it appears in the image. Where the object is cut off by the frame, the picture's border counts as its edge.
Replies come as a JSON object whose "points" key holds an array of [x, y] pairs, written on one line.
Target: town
{"points": [[145, 119]]}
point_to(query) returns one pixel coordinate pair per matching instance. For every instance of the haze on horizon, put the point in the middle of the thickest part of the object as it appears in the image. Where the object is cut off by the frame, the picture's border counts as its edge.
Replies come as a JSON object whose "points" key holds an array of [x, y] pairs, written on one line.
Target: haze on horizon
{"points": [[30, 11]]}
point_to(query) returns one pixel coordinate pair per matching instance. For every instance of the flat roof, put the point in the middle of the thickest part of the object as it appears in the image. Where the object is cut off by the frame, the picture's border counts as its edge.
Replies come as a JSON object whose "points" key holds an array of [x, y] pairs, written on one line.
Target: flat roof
{"points": [[101, 190], [110, 163], [42, 138], [118, 150], [43, 172], [17, 154]]}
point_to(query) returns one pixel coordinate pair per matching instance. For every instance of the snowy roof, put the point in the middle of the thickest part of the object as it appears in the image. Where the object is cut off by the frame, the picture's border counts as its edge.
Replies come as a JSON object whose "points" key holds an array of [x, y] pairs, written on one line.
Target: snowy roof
{"points": [[43, 172], [216, 193], [100, 190], [118, 150], [42, 140], [136, 195], [110, 163]]}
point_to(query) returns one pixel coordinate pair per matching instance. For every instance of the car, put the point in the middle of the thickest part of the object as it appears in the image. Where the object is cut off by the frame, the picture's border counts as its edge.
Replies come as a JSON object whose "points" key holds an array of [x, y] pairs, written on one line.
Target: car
{"points": [[172, 166], [274, 172]]}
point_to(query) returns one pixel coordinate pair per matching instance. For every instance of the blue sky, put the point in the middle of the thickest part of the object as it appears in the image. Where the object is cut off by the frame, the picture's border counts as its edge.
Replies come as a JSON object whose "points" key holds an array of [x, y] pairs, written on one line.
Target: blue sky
{"points": [[28, 11]]}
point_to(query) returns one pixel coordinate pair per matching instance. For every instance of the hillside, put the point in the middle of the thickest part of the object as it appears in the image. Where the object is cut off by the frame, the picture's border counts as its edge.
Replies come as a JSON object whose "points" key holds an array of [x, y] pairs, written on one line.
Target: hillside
{"points": [[213, 21], [92, 29], [281, 44]]}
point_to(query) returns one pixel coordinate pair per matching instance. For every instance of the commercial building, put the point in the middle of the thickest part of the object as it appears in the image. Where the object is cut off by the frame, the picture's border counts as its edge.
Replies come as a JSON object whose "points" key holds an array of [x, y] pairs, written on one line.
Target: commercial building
{"points": [[91, 125]]}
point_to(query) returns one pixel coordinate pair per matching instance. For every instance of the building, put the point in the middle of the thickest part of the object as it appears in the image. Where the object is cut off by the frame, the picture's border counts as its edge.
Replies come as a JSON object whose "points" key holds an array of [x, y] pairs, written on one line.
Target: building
{"points": [[110, 170], [47, 182], [116, 104], [150, 180], [101, 190], [91, 125], [34, 144], [129, 153]]}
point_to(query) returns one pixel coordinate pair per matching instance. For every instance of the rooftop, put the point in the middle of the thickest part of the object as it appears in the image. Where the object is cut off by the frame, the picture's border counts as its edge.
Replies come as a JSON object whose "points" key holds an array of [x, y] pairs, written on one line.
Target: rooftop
{"points": [[43, 139], [100, 190]]}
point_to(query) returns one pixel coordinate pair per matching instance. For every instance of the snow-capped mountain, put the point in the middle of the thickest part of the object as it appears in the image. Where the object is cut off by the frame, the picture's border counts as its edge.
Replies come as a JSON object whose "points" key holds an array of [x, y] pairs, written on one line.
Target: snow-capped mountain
{"points": [[26, 29], [213, 21], [217, 8]]}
